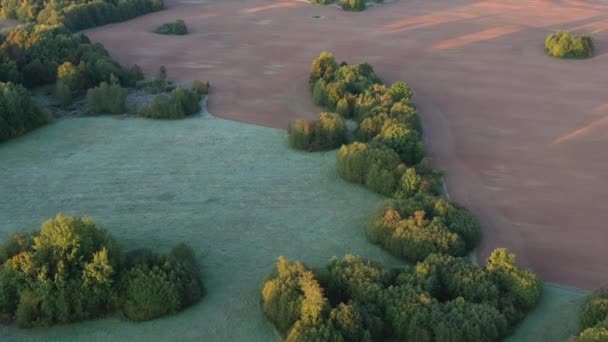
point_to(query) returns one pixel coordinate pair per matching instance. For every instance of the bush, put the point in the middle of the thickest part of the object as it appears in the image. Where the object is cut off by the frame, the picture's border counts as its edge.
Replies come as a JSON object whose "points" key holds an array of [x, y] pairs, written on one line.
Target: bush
{"points": [[63, 94], [177, 27], [562, 44], [149, 294], [598, 333], [177, 105], [106, 99], [594, 310], [18, 113], [327, 132], [68, 270], [352, 5], [201, 88]]}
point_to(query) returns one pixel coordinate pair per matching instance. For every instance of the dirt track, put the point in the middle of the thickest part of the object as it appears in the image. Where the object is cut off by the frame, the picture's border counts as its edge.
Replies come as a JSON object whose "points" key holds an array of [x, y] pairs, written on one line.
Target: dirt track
{"points": [[521, 134]]}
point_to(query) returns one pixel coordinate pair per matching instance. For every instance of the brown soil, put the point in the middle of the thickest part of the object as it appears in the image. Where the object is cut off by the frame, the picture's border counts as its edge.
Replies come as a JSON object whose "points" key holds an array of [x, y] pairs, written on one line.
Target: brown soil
{"points": [[520, 133]]}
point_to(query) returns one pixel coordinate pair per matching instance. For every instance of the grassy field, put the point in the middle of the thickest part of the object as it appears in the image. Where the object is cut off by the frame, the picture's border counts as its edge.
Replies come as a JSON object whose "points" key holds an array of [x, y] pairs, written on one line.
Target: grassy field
{"points": [[235, 192], [555, 317]]}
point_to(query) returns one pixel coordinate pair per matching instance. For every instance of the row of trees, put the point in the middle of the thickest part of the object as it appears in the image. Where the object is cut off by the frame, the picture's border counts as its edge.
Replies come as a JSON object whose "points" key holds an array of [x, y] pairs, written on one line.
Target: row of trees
{"points": [[442, 298], [77, 15], [36, 55], [73, 270], [347, 5]]}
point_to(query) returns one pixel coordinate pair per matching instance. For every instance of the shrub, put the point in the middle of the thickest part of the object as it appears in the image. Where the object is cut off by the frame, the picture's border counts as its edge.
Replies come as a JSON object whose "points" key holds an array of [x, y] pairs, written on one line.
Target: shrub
{"points": [[352, 5], [597, 333], [594, 310], [177, 105], [163, 107], [18, 113], [327, 132], [177, 27], [562, 44], [135, 74], [63, 94], [201, 88], [106, 99], [149, 294]]}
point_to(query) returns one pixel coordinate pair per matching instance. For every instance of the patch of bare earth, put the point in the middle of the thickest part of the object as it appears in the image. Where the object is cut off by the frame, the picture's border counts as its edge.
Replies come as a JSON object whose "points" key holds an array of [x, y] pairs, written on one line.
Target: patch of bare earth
{"points": [[521, 134]]}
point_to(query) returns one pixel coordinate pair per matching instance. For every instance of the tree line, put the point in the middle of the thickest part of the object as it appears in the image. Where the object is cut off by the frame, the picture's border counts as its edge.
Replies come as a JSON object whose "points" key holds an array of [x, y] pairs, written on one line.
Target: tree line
{"points": [[443, 297], [77, 15]]}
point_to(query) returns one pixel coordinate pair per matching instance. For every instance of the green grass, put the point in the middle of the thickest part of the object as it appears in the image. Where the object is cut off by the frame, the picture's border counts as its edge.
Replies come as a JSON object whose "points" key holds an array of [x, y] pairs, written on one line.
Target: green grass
{"points": [[235, 192], [555, 317]]}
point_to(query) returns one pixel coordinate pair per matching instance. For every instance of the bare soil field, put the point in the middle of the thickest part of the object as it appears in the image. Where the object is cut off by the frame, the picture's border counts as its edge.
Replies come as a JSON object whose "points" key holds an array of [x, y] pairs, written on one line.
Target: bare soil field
{"points": [[521, 134]]}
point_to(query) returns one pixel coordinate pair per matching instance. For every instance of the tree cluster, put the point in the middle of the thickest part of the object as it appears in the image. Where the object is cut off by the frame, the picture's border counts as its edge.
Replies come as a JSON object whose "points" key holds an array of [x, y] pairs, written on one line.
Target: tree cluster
{"points": [[442, 298], [593, 318], [178, 104], [177, 27], [36, 55], [72, 270], [326, 133], [563, 44], [18, 112], [347, 5], [418, 226], [388, 152], [77, 15]]}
